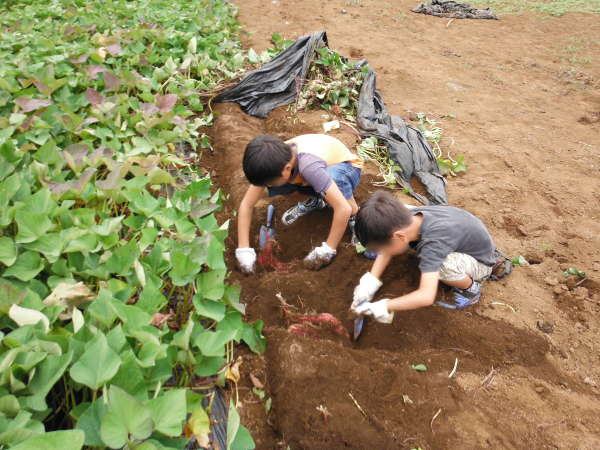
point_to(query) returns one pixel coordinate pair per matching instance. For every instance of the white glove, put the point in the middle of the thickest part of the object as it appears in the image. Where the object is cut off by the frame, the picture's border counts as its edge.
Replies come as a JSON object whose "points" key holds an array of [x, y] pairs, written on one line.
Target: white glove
{"points": [[319, 257], [366, 289], [377, 310], [246, 258]]}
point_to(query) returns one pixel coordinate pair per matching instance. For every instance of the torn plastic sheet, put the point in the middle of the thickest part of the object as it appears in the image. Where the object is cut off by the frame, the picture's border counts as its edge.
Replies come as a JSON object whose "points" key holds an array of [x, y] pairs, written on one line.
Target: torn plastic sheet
{"points": [[279, 82], [454, 10], [406, 145]]}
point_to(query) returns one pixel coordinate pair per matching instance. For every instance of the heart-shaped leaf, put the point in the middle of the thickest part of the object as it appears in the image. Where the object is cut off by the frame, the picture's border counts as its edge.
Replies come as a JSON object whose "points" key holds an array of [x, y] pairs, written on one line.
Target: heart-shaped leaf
{"points": [[165, 103], [98, 364], [31, 104], [125, 418]]}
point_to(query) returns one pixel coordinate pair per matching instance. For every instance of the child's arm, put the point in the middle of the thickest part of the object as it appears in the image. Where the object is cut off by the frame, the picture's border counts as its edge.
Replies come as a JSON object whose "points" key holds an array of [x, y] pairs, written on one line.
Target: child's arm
{"points": [[252, 196], [383, 310], [380, 264], [246, 255], [423, 296], [341, 213]]}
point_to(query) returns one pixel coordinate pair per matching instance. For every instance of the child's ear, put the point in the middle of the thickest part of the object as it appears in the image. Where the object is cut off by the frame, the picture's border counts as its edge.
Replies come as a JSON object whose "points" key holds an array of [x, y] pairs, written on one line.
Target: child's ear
{"points": [[400, 235]]}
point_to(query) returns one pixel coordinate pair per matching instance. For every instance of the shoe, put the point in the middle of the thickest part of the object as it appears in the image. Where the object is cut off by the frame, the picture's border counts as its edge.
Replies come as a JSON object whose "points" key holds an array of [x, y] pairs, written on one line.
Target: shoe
{"points": [[463, 298], [302, 209]]}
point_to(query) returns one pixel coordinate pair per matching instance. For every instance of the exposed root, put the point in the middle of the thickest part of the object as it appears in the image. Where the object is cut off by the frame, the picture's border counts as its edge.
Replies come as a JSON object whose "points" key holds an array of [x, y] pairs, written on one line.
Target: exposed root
{"points": [[306, 324], [267, 258]]}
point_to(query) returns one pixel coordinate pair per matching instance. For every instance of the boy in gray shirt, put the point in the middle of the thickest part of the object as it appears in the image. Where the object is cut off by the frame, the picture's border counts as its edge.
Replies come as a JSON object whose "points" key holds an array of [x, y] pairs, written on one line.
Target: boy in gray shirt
{"points": [[452, 245]]}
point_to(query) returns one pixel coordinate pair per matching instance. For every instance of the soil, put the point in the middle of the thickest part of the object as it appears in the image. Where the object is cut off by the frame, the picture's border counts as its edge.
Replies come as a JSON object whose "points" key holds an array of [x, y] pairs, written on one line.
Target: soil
{"points": [[527, 355]]}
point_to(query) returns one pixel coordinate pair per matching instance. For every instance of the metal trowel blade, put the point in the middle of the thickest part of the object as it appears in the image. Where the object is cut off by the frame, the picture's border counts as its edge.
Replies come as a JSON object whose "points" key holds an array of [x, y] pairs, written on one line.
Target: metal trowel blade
{"points": [[358, 327]]}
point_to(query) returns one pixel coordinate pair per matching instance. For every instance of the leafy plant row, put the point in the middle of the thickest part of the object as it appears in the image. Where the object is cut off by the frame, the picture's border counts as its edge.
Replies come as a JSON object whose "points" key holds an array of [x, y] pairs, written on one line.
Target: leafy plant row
{"points": [[113, 300]]}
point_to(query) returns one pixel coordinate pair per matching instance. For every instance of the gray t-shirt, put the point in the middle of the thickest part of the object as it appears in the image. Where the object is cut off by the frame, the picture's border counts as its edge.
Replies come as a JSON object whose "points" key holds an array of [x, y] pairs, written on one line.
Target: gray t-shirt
{"points": [[313, 170], [445, 230]]}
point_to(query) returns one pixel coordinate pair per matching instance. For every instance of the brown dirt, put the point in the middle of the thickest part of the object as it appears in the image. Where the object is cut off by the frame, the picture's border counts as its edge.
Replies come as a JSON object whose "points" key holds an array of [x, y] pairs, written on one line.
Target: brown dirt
{"points": [[528, 371]]}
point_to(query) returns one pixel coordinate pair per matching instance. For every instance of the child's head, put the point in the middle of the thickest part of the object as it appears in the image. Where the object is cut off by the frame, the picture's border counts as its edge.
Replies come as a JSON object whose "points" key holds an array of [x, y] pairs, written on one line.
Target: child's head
{"points": [[382, 224], [268, 161]]}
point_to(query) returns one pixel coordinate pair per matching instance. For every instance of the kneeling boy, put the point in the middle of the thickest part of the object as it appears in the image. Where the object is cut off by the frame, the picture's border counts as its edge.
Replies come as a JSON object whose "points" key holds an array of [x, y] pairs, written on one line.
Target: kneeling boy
{"points": [[452, 246], [316, 165]]}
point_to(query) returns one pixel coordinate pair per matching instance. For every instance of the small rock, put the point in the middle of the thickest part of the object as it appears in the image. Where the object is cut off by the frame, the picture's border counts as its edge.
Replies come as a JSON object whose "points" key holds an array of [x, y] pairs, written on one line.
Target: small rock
{"points": [[456, 86], [540, 389], [588, 380], [551, 281], [545, 326], [344, 11]]}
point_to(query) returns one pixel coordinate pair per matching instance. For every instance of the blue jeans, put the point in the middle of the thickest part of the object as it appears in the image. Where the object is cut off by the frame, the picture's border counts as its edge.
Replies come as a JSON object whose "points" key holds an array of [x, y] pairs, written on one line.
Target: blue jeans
{"points": [[344, 174]]}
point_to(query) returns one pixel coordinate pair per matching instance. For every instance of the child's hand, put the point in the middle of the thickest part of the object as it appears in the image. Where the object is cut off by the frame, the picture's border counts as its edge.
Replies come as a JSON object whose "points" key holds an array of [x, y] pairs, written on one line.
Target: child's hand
{"points": [[377, 310], [246, 258], [366, 289], [319, 257]]}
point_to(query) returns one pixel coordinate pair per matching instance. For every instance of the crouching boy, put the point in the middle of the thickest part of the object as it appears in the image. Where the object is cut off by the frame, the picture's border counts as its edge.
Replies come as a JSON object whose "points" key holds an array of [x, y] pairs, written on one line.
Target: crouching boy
{"points": [[316, 165], [452, 246]]}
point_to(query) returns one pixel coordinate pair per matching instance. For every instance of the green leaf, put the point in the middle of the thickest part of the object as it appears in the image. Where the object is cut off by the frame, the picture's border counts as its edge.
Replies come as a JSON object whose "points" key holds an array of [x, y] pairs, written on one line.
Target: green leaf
{"points": [[9, 405], [90, 422], [169, 412], [121, 261], [125, 419], [419, 367], [253, 337], [181, 339], [8, 251], [130, 377], [50, 245], [238, 436], [208, 308], [211, 284], [212, 343], [46, 375], [31, 225], [208, 365], [184, 269], [98, 364], [27, 266], [54, 440]]}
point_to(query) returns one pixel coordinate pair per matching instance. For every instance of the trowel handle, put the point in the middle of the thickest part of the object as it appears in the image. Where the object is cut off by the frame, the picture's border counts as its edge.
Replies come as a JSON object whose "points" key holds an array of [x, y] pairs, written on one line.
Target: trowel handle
{"points": [[270, 213]]}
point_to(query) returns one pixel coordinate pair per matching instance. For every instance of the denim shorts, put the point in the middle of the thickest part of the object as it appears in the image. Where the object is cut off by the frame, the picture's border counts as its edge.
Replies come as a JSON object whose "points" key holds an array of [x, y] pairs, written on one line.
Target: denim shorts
{"points": [[345, 175]]}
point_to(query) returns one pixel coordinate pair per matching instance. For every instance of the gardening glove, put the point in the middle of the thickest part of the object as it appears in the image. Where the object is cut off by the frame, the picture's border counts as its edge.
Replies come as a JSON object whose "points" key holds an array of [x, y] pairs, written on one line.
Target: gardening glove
{"points": [[246, 258], [366, 289], [377, 310], [319, 257]]}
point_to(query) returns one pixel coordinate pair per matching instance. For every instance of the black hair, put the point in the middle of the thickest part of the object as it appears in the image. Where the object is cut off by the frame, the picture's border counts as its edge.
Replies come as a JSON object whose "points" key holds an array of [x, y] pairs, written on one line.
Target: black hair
{"points": [[379, 217], [264, 159]]}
